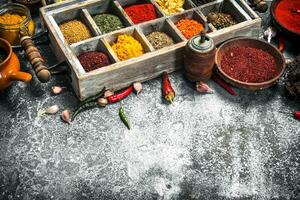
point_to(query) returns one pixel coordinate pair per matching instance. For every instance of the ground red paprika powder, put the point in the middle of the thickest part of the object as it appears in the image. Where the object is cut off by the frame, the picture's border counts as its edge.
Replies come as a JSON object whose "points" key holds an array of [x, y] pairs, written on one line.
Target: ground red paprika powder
{"points": [[93, 60], [249, 65], [287, 13], [141, 12]]}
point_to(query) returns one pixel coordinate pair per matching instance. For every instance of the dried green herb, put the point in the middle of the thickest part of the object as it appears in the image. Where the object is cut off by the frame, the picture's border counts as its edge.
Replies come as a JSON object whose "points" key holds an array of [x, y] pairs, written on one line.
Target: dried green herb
{"points": [[108, 22], [160, 40]]}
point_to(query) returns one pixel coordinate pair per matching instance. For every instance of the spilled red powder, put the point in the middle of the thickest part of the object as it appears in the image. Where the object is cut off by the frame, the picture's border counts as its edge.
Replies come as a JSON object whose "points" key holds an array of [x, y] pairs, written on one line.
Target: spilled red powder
{"points": [[249, 65], [287, 13]]}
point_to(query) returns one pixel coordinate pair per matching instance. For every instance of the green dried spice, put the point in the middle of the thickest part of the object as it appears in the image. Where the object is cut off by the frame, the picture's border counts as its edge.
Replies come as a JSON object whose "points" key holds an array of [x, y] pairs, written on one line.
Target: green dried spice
{"points": [[108, 22], [160, 40]]}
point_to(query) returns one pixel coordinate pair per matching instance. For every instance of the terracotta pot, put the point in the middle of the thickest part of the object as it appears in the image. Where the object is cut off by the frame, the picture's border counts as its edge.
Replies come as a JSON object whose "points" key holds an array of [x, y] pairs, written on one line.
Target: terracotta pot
{"points": [[10, 67]]}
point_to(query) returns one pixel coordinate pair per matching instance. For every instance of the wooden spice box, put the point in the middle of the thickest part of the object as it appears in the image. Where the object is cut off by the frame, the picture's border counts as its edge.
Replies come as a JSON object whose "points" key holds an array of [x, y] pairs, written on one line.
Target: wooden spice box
{"points": [[148, 66]]}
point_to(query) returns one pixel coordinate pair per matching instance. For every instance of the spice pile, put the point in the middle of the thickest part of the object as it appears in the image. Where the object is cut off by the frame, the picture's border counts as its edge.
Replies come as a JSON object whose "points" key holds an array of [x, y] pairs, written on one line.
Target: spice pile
{"points": [[292, 79], [10, 24], [74, 31], [12, 19], [93, 60], [171, 7], [287, 13], [141, 12], [3, 55], [127, 47], [249, 65], [220, 20], [159, 40], [189, 27], [108, 23]]}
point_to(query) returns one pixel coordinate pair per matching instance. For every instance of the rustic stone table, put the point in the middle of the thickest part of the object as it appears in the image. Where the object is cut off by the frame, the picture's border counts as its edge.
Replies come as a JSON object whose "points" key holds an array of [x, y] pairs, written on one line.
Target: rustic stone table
{"points": [[205, 147]]}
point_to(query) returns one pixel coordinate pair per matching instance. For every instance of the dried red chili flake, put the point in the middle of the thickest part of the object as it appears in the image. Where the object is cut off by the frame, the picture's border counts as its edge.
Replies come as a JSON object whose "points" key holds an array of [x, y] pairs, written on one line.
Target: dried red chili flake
{"points": [[249, 64], [93, 60], [141, 12]]}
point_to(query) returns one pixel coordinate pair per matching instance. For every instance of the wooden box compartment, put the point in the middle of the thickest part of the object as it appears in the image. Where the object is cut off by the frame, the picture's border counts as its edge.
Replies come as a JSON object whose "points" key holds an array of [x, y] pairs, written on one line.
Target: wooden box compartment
{"points": [[80, 14], [107, 7], [189, 14], [150, 65], [123, 3], [165, 26], [188, 4], [93, 44]]}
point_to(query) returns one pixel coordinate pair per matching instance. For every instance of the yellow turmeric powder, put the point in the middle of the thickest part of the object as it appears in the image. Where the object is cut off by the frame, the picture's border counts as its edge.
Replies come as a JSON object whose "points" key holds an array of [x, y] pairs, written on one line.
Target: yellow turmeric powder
{"points": [[171, 7], [127, 47], [12, 20], [10, 24]]}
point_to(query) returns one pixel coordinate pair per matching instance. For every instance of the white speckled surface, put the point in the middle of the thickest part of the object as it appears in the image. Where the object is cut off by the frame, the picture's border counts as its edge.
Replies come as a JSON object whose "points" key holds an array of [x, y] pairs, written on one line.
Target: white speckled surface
{"points": [[205, 147]]}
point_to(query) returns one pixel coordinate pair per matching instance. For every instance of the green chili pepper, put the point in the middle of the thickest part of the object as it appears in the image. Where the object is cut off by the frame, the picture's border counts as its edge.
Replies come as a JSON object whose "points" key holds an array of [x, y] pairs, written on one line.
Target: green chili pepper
{"points": [[85, 106], [93, 98], [124, 118], [90, 102]]}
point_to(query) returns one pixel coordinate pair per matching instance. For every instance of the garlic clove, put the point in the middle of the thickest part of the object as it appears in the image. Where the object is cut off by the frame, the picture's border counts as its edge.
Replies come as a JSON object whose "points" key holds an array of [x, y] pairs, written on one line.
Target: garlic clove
{"points": [[203, 88], [56, 89], [52, 110], [138, 87], [102, 102], [49, 111], [108, 93], [65, 116]]}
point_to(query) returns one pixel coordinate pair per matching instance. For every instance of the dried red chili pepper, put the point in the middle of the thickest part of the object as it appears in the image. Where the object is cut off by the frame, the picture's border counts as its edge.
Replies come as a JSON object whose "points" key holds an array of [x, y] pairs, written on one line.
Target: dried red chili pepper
{"points": [[119, 96], [297, 115], [167, 90], [281, 44], [223, 85]]}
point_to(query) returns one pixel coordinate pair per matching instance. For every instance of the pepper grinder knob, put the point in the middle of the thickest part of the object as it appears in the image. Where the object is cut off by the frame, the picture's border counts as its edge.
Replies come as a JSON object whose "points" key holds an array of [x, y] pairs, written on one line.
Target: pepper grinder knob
{"points": [[203, 34]]}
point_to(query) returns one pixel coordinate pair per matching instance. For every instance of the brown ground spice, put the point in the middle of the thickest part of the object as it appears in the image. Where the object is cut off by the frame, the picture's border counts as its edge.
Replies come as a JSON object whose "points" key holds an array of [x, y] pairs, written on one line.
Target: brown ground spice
{"points": [[75, 31]]}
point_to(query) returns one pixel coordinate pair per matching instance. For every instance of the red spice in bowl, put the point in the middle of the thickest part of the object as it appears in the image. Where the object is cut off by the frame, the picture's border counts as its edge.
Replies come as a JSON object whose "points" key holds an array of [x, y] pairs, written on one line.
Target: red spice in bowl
{"points": [[249, 65], [287, 14], [141, 12], [93, 60]]}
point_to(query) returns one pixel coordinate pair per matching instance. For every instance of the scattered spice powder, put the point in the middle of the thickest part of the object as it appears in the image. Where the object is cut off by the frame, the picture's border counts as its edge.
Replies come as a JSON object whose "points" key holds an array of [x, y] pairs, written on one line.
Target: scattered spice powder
{"points": [[75, 31], [141, 12], [249, 64], [221, 20], [108, 22], [93, 60], [127, 47], [189, 27], [171, 7], [160, 40], [287, 13]]}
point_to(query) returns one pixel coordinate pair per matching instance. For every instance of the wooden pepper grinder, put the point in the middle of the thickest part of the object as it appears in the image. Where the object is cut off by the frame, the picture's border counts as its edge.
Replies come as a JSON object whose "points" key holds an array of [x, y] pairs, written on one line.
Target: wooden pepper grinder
{"points": [[199, 58], [34, 57]]}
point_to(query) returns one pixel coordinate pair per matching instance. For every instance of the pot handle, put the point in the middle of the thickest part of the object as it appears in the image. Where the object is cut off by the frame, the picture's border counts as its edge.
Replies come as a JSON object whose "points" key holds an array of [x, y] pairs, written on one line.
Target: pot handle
{"points": [[21, 76]]}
